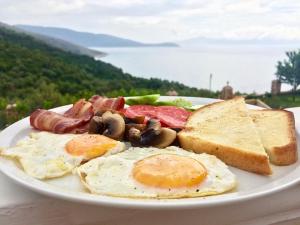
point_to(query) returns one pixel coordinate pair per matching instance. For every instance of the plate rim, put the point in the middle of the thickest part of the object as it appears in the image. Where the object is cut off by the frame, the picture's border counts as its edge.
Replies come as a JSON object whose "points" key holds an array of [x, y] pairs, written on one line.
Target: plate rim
{"points": [[132, 203]]}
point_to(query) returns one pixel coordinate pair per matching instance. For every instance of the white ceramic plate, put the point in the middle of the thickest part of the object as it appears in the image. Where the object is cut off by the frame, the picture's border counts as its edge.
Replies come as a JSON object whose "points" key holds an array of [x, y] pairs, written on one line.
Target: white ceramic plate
{"points": [[69, 187]]}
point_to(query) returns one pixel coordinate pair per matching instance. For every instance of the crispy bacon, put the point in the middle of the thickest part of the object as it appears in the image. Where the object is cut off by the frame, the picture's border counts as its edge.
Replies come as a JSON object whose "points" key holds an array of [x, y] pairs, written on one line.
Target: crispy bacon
{"points": [[81, 109], [100, 103], [74, 120], [45, 120]]}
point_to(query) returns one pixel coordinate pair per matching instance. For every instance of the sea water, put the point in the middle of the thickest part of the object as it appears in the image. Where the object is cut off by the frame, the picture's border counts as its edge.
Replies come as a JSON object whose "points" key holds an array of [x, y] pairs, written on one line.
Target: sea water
{"points": [[247, 68]]}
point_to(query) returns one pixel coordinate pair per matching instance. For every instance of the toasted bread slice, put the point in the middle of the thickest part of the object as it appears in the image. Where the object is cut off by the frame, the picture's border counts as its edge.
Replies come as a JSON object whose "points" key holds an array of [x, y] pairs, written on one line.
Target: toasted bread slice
{"points": [[277, 132], [226, 130]]}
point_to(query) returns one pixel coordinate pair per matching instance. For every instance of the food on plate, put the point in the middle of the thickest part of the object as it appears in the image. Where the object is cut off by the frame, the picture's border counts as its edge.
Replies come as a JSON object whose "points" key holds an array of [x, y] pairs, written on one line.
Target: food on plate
{"points": [[157, 173], [107, 116], [109, 124], [151, 135], [47, 155], [169, 116], [112, 124], [76, 119], [73, 120], [81, 108], [246, 139], [226, 130], [103, 103], [277, 132]]}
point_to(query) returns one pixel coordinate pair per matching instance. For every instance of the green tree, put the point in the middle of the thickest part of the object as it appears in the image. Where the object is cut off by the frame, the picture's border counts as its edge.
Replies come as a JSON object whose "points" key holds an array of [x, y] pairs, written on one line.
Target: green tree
{"points": [[288, 71]]}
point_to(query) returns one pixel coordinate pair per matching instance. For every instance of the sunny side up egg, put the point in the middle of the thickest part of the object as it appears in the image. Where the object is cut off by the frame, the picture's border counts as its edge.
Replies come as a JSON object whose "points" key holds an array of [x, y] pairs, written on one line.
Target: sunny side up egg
{"points": [[157, 173], [47, 155]]}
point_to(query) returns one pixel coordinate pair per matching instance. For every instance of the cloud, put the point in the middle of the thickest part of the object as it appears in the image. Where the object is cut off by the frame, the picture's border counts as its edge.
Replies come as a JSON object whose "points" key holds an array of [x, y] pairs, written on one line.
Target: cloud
{"points": [[246, 7], [163, 20]]}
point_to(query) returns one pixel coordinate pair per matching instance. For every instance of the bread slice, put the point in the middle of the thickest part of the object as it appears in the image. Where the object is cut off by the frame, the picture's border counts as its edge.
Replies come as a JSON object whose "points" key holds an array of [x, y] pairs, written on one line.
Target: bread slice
{"points": [[277, 132], [226, 130]]}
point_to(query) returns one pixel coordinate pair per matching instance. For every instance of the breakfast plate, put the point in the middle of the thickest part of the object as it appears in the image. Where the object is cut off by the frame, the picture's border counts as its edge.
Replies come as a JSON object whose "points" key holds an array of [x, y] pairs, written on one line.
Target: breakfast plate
{"points": [[250, 185]]}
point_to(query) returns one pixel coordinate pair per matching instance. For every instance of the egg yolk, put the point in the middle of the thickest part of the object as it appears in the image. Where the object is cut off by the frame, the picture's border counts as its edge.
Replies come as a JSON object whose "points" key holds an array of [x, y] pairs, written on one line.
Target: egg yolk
{"points": [[90, 145], [169, 171]]}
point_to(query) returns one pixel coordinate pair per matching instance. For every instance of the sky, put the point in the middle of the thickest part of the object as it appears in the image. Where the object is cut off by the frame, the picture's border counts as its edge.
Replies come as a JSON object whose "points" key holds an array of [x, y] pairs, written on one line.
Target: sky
{"points": [[163, 20]]}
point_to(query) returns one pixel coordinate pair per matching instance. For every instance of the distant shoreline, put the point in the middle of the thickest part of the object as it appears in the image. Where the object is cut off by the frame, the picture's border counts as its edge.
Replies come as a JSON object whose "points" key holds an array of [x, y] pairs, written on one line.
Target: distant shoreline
{"points": [[100, 55]]}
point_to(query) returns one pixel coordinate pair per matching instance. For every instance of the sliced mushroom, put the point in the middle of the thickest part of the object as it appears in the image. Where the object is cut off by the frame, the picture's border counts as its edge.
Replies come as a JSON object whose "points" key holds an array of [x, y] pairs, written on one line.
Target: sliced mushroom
{"points": [[154, 124], [134, 136], [115, 125], [165, 138], [106, 114], [96, 125], [140, 127], [153, 129]]}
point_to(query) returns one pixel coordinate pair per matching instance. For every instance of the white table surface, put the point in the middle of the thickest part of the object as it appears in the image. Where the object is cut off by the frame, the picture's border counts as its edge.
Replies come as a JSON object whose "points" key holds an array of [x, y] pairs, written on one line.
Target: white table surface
{"points": [[20, 206]]}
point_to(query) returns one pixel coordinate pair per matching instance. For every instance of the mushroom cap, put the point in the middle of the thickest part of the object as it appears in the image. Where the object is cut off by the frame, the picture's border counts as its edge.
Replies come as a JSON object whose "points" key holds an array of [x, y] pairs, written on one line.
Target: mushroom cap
{"points": [[152, 130], [134, 136], [96, 125], [152, 135], [165, 138], [115, 125]]}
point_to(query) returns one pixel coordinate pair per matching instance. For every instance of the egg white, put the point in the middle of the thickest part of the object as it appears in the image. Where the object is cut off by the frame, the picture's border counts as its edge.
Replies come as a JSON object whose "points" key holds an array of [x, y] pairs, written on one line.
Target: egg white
{"points": [[112, 175], [42, 155]]}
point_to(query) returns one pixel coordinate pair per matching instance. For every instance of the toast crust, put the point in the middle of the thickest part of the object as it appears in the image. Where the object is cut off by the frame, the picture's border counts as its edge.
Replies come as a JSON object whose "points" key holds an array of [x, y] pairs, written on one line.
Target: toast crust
{"points": [[249, 161], [286, 154]]}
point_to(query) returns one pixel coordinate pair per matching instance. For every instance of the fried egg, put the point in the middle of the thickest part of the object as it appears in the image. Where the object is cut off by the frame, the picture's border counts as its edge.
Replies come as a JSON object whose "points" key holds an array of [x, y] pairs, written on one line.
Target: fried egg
{"points": [[47, 155], [157, 173]]}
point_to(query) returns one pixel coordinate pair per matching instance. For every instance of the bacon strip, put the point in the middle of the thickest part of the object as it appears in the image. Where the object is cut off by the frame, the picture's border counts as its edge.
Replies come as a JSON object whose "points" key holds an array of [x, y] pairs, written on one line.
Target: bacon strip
{"points": [[73, 120], [81, 109], [45, 120], [100, 103]]}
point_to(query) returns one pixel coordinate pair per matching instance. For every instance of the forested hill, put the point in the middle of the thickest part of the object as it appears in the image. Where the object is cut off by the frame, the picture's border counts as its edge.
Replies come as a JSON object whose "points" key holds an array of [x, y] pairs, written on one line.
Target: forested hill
{"points": [[57, 43], [33, 74]]}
